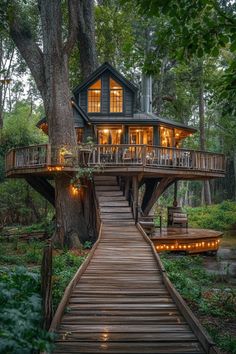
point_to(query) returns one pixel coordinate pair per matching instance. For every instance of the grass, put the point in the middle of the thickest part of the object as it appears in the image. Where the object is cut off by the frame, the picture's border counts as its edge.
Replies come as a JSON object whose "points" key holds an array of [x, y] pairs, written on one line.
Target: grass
{"points": [[212, 299]]}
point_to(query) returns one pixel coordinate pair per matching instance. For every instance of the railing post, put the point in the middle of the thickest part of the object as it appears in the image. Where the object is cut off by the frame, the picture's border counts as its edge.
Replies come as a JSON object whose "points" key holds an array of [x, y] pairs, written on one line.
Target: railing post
{"points": [[144, 154], [48, 152]]}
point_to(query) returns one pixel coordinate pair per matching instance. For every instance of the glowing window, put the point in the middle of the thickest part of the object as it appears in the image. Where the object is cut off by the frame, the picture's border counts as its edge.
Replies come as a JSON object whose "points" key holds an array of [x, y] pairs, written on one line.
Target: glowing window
{"points": [[94, 97], [116, 97]]}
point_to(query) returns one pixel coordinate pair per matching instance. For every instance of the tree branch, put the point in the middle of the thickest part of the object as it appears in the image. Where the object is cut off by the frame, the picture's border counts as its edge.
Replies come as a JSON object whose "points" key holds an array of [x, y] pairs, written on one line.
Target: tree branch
{"points": [[30, 51], [73, 26]]}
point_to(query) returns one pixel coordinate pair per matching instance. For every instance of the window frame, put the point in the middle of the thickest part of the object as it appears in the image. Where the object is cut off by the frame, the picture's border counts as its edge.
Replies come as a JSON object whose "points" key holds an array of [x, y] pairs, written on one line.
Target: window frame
{"points": [[89, 90], [122, 89]]}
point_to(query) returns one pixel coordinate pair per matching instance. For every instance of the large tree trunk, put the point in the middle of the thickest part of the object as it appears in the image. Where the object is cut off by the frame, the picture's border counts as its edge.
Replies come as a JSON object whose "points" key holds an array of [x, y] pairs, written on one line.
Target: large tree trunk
{"points": [[50, 71], [206, 190]]}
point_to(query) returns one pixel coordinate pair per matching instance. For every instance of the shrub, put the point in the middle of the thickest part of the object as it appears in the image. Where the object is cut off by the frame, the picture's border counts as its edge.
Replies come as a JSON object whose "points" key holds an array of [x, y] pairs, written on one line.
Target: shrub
{"points": [[20, 307]]}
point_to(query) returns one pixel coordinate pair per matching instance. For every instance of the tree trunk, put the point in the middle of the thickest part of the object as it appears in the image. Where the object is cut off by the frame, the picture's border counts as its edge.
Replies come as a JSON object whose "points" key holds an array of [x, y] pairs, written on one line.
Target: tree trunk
{"points": [[206, 191], [50, 71], [86, 38], [234, 157]]}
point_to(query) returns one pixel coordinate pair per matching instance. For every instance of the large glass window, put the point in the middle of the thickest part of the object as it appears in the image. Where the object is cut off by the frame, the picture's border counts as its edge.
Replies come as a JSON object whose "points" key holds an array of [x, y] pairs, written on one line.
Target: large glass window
{"points": [[109, 135], [167, 137], [116, 97], [141, 135], [94, 97]]}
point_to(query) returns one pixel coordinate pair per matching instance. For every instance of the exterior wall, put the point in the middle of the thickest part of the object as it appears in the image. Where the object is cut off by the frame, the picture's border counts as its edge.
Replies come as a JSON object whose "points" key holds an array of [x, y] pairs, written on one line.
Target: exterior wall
{"points": [[128, 98]]}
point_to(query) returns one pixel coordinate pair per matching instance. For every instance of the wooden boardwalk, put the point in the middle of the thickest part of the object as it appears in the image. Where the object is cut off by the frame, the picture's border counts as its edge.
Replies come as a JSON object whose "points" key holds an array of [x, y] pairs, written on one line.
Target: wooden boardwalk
{"points": [[120, 304]]}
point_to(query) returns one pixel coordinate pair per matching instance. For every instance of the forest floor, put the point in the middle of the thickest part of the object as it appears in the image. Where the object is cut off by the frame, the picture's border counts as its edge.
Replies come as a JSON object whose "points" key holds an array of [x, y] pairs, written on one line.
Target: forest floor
{"points": [[211, 295]]}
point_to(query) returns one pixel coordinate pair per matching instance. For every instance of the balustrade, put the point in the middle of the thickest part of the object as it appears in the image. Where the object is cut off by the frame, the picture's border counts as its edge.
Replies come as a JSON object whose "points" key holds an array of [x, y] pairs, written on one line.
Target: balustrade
{"points": [[115, 155]]}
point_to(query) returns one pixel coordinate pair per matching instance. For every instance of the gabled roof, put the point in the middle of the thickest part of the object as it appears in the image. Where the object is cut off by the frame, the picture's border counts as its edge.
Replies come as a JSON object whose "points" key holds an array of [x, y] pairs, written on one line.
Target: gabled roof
{"points": [[97, 73]]}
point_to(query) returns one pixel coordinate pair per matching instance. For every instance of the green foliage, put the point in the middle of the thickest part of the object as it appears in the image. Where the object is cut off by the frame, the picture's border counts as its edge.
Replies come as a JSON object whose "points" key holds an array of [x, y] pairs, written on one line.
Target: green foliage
{"points": [[218, 217], [205, 294], [87, 245], [20, 307], [64, 267]]}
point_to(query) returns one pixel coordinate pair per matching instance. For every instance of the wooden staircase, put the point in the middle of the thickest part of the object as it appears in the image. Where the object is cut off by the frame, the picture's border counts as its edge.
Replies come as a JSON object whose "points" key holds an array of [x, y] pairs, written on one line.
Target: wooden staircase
{"points": [[119, 303], [113, 205]]}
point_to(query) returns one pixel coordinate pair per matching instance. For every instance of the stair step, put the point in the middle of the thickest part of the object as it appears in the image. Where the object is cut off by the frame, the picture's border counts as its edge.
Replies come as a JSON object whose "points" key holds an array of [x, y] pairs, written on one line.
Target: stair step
{"points": [[120, 216], [115, 203], [115, 209], [105, 183], [107, 188], [109, 193], [105, 178]]}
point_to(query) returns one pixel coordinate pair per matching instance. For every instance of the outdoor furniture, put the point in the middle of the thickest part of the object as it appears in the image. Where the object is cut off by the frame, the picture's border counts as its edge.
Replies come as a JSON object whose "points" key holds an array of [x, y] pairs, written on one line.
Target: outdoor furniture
{"points": [[177, 217]]}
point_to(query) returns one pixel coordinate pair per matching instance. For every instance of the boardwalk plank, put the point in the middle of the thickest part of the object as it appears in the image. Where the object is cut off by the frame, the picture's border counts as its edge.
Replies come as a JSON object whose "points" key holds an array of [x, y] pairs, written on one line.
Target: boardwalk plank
{"points": [[120, 304]]}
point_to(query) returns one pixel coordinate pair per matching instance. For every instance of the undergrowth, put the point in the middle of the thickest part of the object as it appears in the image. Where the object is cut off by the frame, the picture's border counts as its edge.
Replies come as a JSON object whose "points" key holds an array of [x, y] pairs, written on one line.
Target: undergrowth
{"points": [[213, 300]]}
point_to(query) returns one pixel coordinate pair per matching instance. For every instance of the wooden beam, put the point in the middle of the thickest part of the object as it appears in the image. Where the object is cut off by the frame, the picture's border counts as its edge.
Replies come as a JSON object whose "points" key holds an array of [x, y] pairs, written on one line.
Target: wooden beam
{"points": [[150, 186], [43, 187], [157, 192]]}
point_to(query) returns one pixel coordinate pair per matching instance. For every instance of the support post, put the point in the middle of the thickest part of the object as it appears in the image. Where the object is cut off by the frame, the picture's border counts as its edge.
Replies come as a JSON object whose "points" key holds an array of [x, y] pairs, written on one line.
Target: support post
{"points": [[175, 201], [135, 197], [127, 183], [46, 285]]}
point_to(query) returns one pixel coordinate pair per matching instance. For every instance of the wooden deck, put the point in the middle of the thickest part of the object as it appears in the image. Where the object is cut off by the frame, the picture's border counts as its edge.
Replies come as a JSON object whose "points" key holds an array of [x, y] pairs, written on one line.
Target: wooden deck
{"points": [[186, 240], [121, 301], [123, 159]]}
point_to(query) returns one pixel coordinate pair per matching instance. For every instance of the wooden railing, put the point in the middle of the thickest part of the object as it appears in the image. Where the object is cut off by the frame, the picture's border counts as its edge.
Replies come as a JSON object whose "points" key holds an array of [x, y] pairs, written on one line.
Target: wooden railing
{"points": [[114, 155]]}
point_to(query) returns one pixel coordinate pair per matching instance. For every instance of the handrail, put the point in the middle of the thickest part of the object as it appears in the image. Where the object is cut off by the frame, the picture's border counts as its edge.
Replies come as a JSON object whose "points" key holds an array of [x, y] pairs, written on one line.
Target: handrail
{"points": [[149, 156], [62, 305], [207, 343]]}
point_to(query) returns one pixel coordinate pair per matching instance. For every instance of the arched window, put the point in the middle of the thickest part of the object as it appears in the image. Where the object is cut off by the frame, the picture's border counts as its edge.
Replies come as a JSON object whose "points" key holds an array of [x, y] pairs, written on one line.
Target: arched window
{"points": [[94, 97], [116, 97]]}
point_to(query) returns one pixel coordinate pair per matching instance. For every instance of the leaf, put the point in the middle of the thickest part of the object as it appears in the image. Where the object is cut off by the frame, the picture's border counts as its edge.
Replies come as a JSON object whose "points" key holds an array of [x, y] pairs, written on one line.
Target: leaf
{"points": [[233, 46], [215, 51]]}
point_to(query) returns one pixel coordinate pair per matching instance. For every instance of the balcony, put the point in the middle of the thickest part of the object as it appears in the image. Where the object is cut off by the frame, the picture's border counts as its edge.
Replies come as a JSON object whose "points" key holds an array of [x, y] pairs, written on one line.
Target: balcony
{"points": [[116, 159]]}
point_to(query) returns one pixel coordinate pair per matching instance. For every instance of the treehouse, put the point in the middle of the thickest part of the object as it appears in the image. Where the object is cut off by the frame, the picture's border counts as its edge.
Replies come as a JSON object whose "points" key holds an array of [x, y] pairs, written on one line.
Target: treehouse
{"points": [[138, 146]]}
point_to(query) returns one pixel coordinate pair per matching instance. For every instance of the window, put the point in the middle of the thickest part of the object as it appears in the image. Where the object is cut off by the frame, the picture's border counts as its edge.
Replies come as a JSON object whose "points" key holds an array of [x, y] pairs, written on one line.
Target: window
{"points": [[109, 135], [80, 135], [94, 97], [116, 97], [141, 135], [167, 137]]}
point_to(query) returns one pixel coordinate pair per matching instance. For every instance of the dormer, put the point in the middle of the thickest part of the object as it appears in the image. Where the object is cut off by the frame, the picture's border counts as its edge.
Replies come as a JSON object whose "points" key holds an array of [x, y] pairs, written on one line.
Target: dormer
{"points": [[106, 93]]}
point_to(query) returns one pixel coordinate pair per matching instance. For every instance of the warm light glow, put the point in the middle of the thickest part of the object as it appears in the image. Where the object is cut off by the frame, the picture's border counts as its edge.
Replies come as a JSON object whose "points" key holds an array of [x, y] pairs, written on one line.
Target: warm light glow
{"points": [[94, 97], [119, 131], [116, 97], [105, 131], [74, 190]]}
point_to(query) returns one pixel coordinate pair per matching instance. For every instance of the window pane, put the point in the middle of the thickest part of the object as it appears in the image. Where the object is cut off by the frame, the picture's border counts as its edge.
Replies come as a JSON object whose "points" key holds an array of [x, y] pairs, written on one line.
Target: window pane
{"points": [[94, 97], [116, 97]]}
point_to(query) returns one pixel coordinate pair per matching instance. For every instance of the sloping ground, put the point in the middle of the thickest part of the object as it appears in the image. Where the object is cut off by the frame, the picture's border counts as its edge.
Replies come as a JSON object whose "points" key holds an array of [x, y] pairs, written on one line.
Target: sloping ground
{"points": [[120, 303]]}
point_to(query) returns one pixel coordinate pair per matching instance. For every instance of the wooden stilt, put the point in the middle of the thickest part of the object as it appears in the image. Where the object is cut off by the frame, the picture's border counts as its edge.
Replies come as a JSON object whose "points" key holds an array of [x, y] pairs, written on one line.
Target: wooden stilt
{"points": [[135, 197], [175, 201]]}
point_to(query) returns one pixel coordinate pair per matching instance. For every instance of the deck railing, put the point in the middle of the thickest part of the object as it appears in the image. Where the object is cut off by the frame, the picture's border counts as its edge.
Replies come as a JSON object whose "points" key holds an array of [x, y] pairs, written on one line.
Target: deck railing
{"points": [[114, 155]]}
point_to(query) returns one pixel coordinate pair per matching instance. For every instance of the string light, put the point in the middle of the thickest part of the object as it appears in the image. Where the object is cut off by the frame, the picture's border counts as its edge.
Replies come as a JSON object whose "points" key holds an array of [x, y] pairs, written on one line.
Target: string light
{"points": [[193, 246]]}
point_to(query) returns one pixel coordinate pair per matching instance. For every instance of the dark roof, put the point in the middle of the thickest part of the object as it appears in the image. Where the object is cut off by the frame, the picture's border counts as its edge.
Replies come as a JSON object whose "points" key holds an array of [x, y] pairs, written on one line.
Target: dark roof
{"points": [[98, 72], [143, 118], [80, 111], [41, 121]]}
